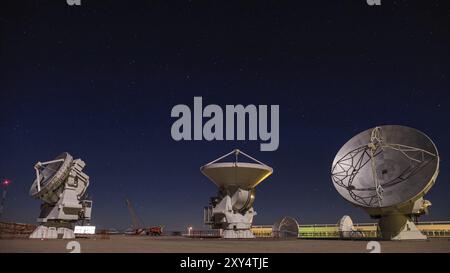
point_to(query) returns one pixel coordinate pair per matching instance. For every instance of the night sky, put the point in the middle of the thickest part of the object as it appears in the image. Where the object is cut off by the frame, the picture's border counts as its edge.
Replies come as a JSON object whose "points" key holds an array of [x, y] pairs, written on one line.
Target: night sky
{"points": [[99, 81]]}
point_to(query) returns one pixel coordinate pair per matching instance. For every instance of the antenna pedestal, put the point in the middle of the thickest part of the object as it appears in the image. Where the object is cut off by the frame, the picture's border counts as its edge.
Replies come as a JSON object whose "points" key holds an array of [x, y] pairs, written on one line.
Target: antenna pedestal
{"points": [[396, 222], [67, 208], [234, 214], [43, 232], [399, 227]]}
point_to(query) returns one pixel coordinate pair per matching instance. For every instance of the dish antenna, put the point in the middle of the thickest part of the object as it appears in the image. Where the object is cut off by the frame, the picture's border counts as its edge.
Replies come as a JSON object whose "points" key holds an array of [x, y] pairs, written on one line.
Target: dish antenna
{"points": [[285, 228], [347, 230], [232, 209], [61, 185], [386, 171]]}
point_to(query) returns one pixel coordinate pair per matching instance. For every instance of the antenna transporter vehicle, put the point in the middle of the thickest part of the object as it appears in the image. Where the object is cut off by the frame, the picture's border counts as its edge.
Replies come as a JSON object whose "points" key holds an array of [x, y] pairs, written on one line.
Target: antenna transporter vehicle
{"points": [[386, 171], [232, 209], [61, 184]]}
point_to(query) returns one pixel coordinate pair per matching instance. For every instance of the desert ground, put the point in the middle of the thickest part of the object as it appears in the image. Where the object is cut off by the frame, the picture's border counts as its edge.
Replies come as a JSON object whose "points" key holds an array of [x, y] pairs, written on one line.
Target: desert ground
{"points": [[169, 244]]}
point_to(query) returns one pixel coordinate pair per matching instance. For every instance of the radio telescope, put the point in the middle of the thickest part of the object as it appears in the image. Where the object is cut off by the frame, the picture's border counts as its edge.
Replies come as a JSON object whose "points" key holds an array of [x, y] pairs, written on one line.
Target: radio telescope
{"points": [[347, 230], [61, 185], [285, 228], [386, 171], [232, 209]]}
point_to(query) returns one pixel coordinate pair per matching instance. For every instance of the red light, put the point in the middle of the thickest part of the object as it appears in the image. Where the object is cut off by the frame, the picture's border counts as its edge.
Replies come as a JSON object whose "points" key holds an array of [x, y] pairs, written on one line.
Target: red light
{"points": [[6, 183]]}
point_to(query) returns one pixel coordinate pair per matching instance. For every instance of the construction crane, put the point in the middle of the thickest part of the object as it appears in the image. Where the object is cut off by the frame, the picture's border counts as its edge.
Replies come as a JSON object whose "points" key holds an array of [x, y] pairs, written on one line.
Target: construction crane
{"points": [[138, 225], [135, 220]]}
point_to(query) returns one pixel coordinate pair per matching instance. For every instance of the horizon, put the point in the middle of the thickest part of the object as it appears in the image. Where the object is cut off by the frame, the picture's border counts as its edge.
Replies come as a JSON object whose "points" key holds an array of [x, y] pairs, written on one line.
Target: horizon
{"points": [[100, 81]]}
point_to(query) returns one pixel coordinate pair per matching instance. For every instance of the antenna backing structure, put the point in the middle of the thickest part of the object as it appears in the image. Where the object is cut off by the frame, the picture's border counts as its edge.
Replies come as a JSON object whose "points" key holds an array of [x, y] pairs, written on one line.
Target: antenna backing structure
{"points": [[386, 171]]}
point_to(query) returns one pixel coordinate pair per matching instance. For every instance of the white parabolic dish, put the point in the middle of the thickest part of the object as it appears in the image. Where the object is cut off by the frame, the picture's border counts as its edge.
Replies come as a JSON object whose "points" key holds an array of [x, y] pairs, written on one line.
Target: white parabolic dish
{"points": [[236, 174], [405, 164], [51, 177]]}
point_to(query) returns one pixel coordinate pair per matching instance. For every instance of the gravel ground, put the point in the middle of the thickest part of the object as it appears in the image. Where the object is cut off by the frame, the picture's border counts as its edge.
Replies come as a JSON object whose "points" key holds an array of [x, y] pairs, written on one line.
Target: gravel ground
{"points": [[167, 244]]}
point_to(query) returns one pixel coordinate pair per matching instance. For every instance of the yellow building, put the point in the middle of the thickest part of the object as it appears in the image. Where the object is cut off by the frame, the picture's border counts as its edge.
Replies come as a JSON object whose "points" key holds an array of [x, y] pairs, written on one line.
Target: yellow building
{"points": [[367, 230]]}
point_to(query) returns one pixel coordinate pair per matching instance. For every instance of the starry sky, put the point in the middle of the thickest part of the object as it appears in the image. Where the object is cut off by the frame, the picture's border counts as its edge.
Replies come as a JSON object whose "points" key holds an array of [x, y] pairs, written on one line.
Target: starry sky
{"points": [[99, 81]]}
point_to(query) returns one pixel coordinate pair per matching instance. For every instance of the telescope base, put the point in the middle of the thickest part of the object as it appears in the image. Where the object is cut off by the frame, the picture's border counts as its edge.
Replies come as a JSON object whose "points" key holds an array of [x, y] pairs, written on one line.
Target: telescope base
{"points": [[399, 227], [238, 234], [44, 232]]}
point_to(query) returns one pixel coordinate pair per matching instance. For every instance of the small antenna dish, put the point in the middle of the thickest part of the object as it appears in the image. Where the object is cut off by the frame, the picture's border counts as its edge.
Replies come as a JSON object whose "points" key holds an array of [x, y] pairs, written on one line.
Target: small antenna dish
{"points": [[347, 230], [386, 171], [61, 185], [287, 227]]}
